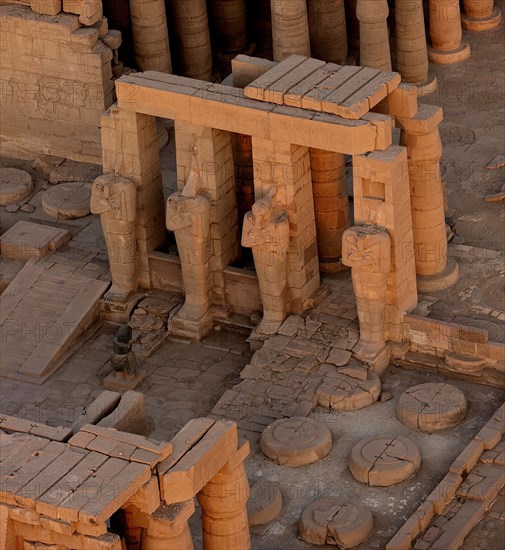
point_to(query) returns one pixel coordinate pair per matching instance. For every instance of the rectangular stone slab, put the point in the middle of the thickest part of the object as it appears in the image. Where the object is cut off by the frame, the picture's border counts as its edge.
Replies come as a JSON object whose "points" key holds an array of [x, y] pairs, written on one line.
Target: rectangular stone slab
{"points": [[229, 111], [347, 91]]}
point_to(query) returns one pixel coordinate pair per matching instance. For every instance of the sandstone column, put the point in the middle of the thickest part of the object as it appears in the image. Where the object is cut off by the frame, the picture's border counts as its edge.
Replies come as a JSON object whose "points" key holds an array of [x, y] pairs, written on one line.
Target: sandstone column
{"points": [[374, 38], [168, 527], [150, 35], [328, 34], [366, 250], [481, 15], [244, 175], [352, 28], [193, 38], [118, 17], [331, 206], [115, 199], [229, 22], [290, 28], [411, 48], [446, 34], [421, 137], [328, 177], [224, 510]]}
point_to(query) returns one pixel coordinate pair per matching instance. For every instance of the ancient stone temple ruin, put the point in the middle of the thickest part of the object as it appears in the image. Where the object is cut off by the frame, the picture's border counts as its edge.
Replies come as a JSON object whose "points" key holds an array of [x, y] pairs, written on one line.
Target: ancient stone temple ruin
{"points": [[251, 274]]}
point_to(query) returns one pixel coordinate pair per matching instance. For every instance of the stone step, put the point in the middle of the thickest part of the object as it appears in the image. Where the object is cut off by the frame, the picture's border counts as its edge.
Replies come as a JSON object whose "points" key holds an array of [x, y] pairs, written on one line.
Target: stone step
{"points": [[36, 334]]}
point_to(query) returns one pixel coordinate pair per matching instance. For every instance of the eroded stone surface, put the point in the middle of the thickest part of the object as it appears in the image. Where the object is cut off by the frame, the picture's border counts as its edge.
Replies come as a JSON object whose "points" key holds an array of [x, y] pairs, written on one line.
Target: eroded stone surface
{"points": [[336, 521], [431, 407], [265, 503], [384, 461], [349, 388], [67, 200], [15, 185], [296, 441]]}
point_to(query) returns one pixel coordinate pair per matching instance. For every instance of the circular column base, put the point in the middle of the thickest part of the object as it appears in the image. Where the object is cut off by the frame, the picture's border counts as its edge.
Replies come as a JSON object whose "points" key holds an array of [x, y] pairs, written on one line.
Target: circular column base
{"points": [[428, 86], [67, 201], [296, 441], [332, 266], [15, 185], [431, 407], [335, 520], [453, 56], [383, 461], [441, 281], [265, 503], [479, 25]]}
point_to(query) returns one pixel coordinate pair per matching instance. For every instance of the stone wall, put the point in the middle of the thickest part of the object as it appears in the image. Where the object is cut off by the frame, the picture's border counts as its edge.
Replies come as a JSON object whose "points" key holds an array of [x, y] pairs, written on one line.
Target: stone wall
{"points": [[56, 81]]}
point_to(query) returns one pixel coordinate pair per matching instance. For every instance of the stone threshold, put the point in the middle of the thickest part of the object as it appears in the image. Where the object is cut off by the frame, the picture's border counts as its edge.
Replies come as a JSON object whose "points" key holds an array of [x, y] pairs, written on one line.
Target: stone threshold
{"points": [[472, 483]]}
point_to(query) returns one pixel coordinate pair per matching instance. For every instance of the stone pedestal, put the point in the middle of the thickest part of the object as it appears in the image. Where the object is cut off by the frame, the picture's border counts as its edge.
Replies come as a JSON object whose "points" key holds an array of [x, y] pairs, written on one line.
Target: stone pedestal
{"points": [[374, 36], [411, 49], [367, 251], [422, 138], [331, 206], [224, 510], [290, 28], [150, 35], [115, 199], [328, 35], [446, 34], [193, 38], [481, 15]]}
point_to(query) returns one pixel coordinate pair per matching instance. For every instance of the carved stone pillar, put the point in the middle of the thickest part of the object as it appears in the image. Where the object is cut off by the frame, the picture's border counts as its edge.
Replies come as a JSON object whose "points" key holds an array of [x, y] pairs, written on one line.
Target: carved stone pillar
{"points": [[421, 137], [481, 15], [366, 250], [188, 215], [446, 34], [266, 231], [374, 37], [193, 38], [115, 199], [290, 28], [224, 509], [328, 34], [331, 206], [150, 35], [411, 48]]}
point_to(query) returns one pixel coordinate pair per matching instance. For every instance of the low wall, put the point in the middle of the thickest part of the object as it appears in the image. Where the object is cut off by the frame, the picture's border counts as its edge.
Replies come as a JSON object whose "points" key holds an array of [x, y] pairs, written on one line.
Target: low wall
{"points": [[56, 81]]}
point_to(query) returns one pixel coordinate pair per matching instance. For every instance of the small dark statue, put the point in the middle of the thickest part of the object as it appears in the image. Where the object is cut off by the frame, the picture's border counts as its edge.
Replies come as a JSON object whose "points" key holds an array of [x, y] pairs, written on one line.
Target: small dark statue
{"points": [[123, 359]]}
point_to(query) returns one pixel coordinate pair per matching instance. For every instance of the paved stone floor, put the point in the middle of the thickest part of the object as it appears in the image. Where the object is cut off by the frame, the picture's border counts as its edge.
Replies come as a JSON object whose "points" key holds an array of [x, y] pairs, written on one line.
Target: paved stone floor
{"points": [[186, 381]]}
